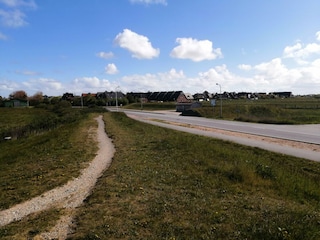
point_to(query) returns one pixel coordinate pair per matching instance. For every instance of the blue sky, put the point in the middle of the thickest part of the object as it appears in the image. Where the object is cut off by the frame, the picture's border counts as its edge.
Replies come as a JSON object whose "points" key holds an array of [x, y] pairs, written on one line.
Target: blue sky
{"points": [[81, 46]]}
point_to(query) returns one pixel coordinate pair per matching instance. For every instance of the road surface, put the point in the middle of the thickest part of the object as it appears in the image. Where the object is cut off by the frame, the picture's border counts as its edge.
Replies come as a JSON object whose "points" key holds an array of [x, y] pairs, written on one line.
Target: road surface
{"points": [[303, 134]]}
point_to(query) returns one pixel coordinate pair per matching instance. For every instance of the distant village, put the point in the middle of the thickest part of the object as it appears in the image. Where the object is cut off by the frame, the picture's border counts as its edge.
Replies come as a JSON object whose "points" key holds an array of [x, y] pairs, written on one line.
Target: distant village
{"points": [[178, 96], [118, 98]]}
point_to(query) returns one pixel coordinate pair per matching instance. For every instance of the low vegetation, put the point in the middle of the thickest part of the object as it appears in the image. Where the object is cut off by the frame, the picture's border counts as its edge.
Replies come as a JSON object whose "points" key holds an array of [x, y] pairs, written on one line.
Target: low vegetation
{"points": [[152, 106], [162, 184], [165, 184], [272, 111], [41, 158]]}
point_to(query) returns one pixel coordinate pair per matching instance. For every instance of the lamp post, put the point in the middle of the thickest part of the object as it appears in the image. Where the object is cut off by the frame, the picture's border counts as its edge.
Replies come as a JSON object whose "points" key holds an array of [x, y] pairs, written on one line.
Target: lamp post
{"points": [[220, 100]]}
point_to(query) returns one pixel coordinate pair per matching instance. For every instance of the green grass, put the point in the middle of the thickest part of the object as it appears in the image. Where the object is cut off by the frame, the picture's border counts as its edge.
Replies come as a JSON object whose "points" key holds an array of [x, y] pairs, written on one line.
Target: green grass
{"points": [[165, 184], [273, 111], [152, 106], [31, 226], [36, 164]]}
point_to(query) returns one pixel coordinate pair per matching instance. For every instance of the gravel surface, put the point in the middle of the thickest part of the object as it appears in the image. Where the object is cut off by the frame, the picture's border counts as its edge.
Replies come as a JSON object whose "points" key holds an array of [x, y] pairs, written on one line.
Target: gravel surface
{"points": [[68, 196]]}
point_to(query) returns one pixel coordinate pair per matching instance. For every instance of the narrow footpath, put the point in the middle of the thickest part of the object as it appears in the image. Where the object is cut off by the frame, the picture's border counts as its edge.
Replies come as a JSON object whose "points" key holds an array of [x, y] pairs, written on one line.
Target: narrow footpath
{"points": [[69, 196]]}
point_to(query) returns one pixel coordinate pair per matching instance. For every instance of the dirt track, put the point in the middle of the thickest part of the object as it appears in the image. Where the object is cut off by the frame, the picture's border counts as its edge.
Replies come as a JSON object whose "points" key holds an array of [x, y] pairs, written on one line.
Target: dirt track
{"points": [[68, 196]]}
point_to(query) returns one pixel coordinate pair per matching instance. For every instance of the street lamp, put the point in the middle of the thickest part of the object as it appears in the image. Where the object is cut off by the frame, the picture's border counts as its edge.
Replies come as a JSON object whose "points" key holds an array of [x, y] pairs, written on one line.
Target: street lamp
{"points": [[220, 100]]}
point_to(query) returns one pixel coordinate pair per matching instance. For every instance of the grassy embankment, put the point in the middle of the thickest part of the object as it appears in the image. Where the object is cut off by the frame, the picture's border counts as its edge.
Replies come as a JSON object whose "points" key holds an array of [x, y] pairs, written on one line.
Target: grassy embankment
{"points": [[41, 159], [165, 184]]}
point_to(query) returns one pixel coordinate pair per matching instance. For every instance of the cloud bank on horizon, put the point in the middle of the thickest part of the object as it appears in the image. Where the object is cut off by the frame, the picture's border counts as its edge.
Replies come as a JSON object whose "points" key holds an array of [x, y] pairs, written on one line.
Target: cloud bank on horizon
{"points": [[147, 45]]}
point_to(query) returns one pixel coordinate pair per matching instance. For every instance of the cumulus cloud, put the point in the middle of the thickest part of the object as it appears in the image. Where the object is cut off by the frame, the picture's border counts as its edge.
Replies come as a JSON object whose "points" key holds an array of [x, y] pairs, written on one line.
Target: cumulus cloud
{"points": [[244, 67], [162, 81], [111, 68], [45, 85], [268, 76], [91, 84], [195, 50], [138, 45], [300, 52], [164, 2], [105, 55]]}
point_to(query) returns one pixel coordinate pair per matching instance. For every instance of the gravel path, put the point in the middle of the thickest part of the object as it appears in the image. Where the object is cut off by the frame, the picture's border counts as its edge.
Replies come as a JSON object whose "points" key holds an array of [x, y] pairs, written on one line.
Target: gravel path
{"points": [[68, 196]]}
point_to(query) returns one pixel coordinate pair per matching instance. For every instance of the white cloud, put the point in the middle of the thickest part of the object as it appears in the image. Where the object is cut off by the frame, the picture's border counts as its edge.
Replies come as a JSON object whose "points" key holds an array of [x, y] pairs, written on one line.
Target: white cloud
{"points": [[8, 87], [300, 52], [318, 35], [46, 85], [164, 2], [14, 18], [290, 51], [14, 15], [91, 84], [267, 77], [163, 81], [138, 45], [111, 68], [19, 3], [105, 55], [195, 50], [244, 67], [3, 37]]}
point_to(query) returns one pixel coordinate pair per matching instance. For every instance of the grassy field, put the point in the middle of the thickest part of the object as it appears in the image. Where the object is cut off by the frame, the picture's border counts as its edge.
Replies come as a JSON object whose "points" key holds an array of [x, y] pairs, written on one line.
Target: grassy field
{"points": [[39, 162], [163, 184], [278, 111], [171, 185]]}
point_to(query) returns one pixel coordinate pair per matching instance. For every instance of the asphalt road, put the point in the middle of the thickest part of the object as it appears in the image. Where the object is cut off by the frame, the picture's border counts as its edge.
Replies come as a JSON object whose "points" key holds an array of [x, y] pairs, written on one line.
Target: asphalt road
{"points": [[301, 133]]}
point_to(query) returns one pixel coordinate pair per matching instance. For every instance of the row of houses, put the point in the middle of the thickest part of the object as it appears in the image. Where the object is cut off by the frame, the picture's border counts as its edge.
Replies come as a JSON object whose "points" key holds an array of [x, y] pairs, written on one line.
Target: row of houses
{"points": [[179, 97]]}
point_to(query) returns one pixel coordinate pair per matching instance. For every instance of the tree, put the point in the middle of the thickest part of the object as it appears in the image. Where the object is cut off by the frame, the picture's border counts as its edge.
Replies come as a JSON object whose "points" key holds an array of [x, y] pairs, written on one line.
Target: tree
{"points": [[36, 99], [21, 95]]}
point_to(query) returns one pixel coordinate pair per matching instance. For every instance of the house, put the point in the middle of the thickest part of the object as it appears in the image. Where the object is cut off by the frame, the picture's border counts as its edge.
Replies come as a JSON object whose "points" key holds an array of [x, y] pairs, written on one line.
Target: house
{"points": [[67, 96], [282, 94], [199, 97], [16, 103], [109, 95]]}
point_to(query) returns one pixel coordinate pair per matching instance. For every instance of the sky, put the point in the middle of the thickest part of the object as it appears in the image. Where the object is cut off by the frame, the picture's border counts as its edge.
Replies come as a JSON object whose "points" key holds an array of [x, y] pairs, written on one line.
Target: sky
{"points": [[82, 46]]}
